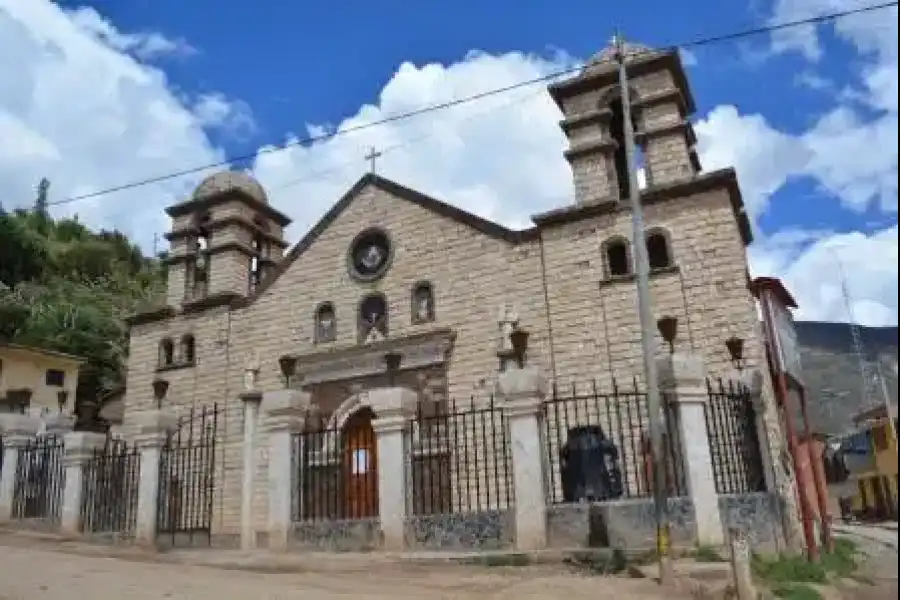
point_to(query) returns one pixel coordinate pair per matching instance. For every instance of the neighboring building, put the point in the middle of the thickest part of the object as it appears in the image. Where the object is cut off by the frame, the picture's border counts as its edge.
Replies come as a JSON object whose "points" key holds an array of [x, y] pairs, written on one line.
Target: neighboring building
{"points": [[875, 472], [36, 381], [389, 268]]}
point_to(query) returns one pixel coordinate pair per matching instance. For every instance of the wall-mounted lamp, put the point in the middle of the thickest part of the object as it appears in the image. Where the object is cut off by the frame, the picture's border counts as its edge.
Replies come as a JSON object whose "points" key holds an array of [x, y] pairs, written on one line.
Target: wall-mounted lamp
{"points": [[735, 347], [668, 329], [392, 362], [160, 389], [288, 366], [519, 340]]}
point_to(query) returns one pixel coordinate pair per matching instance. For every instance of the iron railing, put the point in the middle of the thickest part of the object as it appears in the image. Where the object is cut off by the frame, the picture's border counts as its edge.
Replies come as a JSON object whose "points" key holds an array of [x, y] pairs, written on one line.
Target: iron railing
{"points": [[110, 489], [335, 471], [187, 478], [459, 459], [733, 439], [39, 480], [598, 445]]}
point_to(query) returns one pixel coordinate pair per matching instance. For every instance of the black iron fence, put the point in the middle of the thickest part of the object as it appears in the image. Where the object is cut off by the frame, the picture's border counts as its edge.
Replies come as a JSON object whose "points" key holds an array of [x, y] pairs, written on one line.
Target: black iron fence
{"points": [[187, 479], [336, 471], [598, 445], [110, 489], [459, 459], [39, 480], [733, 439]]}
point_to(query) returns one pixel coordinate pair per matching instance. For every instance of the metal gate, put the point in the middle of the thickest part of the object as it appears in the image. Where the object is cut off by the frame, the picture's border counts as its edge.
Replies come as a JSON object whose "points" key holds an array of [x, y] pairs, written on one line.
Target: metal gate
{"points": [[39, 479], [110, 489], [187, 480]]}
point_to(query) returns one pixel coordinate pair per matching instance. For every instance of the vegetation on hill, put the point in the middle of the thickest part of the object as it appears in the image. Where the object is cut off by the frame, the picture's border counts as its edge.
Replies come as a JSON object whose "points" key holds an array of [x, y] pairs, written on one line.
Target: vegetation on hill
{"points": [[64, 287]]}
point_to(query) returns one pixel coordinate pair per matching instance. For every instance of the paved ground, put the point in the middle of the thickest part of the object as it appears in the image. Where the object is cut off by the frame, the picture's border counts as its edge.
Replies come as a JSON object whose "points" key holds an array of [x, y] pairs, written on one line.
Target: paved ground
{"points": [[880, 545], [31, 571]]}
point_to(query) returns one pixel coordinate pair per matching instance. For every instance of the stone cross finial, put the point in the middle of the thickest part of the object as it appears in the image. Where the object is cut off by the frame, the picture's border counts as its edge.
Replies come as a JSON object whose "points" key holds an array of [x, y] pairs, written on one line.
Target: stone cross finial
{"points": [[251, 371], [508, 320]]}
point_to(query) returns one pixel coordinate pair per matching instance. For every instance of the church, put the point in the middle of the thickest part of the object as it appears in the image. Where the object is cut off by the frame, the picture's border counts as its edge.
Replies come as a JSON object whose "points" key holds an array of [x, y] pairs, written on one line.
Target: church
{"points": [[392, 269]]}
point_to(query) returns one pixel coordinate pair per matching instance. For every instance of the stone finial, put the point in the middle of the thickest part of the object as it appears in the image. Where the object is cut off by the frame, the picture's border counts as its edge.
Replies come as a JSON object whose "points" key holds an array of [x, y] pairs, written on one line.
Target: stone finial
{"points": [[393, 402], [18, 425], [286, 403], [507, 320], [59, 423], [251, 371], [522, 384]]}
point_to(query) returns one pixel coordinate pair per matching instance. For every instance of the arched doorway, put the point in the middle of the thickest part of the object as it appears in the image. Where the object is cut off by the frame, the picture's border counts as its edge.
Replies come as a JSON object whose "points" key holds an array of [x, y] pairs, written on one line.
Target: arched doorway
{"points": [[360, 465]]}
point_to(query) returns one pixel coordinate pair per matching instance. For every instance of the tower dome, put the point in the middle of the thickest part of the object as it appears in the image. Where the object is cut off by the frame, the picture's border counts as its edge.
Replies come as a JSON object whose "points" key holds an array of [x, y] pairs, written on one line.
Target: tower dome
{"points": [[607, 56], [230, 181]]}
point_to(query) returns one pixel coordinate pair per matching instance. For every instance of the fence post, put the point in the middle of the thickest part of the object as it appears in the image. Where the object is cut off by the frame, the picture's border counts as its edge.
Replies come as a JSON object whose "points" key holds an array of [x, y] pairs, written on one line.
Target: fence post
{"points": [[393, 406], [682, 380], [284, 414], [522, 391], [79, 448], [251, 401], [16, 431], [153, 429]]}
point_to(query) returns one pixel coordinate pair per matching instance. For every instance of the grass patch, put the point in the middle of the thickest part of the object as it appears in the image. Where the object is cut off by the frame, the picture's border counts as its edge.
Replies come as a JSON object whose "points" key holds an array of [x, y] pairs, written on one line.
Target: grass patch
{"points": [[598, 563], [843, 561], [788, 568], [796, 591], [707, 554]]}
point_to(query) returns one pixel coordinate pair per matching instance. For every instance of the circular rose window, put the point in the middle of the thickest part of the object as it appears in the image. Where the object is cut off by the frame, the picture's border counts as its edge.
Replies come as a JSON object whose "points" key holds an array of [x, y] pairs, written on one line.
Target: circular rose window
{"points": [[370, 255]]}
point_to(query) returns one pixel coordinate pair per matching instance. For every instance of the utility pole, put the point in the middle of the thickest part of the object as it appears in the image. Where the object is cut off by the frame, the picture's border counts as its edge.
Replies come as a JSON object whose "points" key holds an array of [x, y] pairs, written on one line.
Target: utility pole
{"points": [[886, 397], [642, 272]]}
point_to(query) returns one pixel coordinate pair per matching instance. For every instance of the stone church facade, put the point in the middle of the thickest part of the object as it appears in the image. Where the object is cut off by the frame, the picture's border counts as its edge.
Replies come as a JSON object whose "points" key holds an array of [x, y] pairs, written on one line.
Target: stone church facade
{"points": [[389, 268]]}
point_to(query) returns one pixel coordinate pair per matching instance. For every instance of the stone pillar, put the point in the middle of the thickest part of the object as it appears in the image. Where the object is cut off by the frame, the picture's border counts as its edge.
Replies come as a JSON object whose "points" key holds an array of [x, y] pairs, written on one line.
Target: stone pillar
{"points": [[682, 380], [16, 431], [79, 448], [251, 401], [393, 407], [284, 415], [522, 391], [59, 424], [153, 429]]}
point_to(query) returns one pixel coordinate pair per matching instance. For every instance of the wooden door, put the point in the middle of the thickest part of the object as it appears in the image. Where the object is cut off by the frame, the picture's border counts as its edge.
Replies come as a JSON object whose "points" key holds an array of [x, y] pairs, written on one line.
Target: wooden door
{"points": [[360, 467]]}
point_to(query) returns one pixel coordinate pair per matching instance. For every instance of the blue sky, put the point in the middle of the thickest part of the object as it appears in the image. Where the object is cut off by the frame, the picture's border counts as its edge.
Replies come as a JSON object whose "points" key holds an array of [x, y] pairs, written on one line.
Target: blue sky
{"points": [[804, 116]]}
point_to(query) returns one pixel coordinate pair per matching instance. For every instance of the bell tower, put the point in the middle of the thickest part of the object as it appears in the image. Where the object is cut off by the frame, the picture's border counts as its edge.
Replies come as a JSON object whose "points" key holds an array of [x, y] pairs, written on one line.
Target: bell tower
{"points": [[594, 123], [224, 241]]}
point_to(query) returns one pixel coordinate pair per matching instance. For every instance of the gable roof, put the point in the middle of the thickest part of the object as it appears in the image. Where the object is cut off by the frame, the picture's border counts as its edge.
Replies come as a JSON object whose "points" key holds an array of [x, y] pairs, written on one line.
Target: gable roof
{"points": [[488, 228]]}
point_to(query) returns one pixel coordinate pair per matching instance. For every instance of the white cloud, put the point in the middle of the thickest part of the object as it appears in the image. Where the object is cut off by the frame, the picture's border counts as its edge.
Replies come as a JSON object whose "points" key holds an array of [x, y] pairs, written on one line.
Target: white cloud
{"points": [[146, 46], [88, 112]]}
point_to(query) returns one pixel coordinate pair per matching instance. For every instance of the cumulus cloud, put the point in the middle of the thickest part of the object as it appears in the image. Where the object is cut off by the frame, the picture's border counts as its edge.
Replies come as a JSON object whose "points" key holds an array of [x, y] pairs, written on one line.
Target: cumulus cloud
{"points": [[500, 158]]}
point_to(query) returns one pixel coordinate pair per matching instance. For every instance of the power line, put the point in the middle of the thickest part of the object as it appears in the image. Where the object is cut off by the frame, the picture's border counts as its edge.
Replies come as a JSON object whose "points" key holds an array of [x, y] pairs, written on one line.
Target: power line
{"points": [[703, 41]]}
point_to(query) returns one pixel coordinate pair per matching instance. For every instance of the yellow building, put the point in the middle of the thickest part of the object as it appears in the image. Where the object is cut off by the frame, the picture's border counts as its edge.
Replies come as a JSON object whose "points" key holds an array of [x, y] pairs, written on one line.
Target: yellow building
{"points": [[36, 381], [876, 477]]}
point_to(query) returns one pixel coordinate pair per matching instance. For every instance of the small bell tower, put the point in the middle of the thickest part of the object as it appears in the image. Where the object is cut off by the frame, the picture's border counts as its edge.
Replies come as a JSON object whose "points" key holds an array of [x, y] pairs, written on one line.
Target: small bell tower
{"points": [[224, 241], [594, 121]]}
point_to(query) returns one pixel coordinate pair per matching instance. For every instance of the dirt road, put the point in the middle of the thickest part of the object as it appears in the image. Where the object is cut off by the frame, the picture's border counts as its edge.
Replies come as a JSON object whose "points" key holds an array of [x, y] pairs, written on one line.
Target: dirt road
{"points": [[41, 573]]}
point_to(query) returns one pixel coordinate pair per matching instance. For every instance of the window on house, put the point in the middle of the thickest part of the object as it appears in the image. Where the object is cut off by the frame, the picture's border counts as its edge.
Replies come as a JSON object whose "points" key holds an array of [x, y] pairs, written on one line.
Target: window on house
{"points": [[55, 378], [617, 260], [188, 349]]}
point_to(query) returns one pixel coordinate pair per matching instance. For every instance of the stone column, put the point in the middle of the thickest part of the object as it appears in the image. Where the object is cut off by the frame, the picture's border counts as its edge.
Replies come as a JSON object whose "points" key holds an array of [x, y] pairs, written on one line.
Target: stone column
{"points": [[79, 448], [251, 401], [393, 407], [284, 415], [682, 380], [16, 431], [522, 391], [153, 429]]}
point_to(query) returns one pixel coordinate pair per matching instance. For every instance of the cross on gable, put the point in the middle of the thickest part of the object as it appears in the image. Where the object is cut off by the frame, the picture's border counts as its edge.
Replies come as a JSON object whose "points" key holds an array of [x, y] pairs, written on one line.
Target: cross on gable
{"points": [[371, 156]]}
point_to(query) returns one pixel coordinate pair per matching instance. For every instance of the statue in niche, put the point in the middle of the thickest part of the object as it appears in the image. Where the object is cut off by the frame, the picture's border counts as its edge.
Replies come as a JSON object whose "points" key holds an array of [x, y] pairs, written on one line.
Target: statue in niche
{"points": [[423, 304], [508, 321], [373, 319], [251, 372], [325, 324]]}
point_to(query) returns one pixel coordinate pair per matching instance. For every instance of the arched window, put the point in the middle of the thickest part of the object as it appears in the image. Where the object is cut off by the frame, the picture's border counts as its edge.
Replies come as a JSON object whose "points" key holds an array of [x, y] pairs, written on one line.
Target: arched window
{"points": [[373, 318], [422, 303], [200, 262], [166, 353], [188, 349], [325, 323], [658, 251], [613, 102], [617, 257]]}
